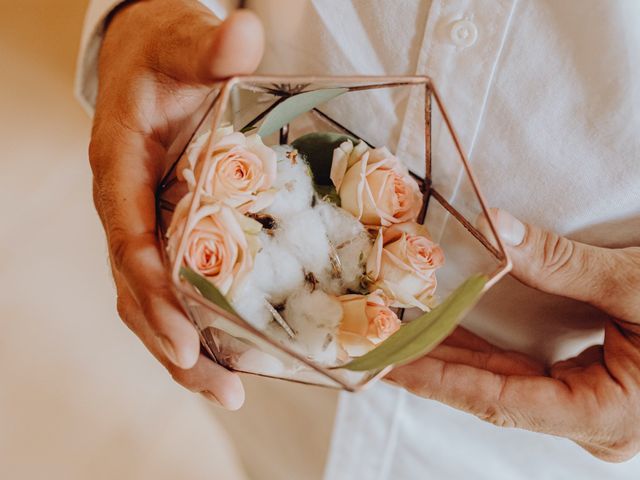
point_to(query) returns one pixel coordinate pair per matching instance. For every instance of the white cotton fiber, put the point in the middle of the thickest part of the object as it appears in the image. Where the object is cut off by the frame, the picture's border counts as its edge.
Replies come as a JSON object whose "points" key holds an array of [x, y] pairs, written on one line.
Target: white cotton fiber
{"points": [[351, 241], [248, 301], [341, 226], [294, 185], [353, 257], [305, 237], [276, 271], [314, 317]]}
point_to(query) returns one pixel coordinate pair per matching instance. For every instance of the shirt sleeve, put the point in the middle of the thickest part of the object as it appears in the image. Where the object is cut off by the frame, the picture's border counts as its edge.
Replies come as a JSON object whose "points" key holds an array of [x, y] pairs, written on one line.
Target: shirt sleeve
{"points": [[86, 83]]}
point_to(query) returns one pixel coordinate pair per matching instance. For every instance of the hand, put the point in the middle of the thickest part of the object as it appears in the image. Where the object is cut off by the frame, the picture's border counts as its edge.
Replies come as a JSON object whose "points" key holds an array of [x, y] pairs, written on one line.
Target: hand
{"points": [[156, 65], [592, 399]]}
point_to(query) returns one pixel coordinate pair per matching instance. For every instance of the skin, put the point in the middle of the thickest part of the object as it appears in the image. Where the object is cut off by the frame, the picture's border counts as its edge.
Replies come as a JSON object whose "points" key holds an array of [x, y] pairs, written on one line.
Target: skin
{"points": [[593, 398], [158, 61]]}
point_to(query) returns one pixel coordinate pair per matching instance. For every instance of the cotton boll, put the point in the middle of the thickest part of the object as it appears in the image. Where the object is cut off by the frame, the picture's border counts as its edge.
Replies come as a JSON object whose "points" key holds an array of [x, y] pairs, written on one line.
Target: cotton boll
{"points": [[353, 256], [249, 302], [305, 237], [329, 283], [341, 225], [276, 271], [293, 183], [314, 317], [352, 245]]}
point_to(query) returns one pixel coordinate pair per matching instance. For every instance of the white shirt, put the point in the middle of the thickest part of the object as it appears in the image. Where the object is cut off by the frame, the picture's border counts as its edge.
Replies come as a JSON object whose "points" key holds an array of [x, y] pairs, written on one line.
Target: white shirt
{"points": [[545, 95]]}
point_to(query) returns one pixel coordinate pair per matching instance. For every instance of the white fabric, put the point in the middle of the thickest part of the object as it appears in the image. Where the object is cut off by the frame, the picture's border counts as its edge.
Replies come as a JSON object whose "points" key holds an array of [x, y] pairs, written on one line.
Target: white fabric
{"points": [[546, 97]]}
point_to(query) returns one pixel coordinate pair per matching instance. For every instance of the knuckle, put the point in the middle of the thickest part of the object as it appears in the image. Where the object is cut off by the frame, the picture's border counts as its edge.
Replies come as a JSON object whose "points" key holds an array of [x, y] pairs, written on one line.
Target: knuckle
{"points": [[186, 378], [480, 359], [95, 154], [494, 411], [496, 415], [126, 248], [558, 254], [123, 307], [120, 246]]}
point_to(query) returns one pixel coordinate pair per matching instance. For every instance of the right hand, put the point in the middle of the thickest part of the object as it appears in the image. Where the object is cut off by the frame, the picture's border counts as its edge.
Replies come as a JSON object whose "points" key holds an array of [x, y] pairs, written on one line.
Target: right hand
{"points": [[157, 63]]}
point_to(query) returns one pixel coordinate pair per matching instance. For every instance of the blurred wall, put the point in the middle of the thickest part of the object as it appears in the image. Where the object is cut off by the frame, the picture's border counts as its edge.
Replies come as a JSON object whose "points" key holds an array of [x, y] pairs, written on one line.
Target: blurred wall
{"points": [[80, 398]]}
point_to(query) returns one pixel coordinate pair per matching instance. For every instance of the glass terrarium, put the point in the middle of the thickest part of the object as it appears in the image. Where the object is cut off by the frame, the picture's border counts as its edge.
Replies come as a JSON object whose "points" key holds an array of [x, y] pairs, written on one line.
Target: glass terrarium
{"points": [[406, 115]]}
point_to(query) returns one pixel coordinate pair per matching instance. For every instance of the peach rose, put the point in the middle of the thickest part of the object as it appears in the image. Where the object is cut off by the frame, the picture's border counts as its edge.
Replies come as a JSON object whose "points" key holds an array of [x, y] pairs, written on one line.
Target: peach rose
{"points": [[240, 171], [221, 243], [403, 262], [366, 321], [374, 185]]}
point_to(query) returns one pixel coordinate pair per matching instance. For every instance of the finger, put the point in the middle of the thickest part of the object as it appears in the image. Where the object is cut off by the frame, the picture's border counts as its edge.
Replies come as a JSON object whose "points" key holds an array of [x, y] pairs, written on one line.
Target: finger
{"points": [[214, 381], [507, 363], [607, 278], [589, 356], [125, 199], [504, 400], [463, 338], [199, 48]]}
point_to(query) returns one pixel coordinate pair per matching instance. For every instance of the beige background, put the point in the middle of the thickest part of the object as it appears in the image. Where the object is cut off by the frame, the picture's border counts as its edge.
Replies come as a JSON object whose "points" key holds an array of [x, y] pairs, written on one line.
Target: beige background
{"points": [[80, 398]]}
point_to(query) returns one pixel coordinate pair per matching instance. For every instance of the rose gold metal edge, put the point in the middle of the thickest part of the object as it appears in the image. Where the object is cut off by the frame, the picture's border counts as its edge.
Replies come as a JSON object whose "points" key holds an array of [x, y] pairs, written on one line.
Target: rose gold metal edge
{"points": [[222, 99], [508, 265], [400, 79]]}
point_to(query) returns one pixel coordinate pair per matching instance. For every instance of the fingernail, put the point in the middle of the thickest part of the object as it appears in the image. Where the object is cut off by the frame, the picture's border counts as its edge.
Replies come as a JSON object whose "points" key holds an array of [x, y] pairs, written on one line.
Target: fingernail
{"points": [[510, 229], [169, 351], [211, 397]]}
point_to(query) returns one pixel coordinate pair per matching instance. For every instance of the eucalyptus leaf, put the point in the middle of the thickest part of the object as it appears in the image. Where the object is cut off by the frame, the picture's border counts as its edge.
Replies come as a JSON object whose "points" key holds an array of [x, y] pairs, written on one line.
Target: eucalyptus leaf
{"points": [[317, 149], [206, 289], [419, 336], [296, 105]]}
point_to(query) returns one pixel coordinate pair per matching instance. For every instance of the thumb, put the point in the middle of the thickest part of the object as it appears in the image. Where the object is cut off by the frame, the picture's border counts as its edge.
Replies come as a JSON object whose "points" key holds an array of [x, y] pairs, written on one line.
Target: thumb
{"points": [[607, 278], [201, 49]]}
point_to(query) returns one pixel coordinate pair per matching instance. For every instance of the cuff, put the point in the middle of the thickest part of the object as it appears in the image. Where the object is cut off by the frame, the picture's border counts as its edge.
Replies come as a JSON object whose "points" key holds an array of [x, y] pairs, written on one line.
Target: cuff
{"points": [[86, 82]]}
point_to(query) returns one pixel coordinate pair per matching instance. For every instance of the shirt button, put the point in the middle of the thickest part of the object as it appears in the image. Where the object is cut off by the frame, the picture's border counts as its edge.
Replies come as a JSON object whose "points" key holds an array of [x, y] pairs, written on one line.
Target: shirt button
{"points": [[464, 33]]}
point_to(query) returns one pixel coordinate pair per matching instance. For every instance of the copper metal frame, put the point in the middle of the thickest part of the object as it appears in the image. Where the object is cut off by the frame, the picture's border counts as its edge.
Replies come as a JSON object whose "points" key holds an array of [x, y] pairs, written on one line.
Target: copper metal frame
{"points": [[218, 105]]}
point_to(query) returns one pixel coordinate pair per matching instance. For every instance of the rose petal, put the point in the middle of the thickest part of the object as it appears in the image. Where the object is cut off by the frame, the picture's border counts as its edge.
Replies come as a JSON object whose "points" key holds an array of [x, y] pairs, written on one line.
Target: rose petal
{"points": [[339, 163]]}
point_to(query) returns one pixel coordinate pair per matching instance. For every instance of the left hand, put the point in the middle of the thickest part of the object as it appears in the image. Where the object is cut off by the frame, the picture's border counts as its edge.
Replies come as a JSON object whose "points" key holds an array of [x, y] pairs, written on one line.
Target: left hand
{"points": [[593, 398]]}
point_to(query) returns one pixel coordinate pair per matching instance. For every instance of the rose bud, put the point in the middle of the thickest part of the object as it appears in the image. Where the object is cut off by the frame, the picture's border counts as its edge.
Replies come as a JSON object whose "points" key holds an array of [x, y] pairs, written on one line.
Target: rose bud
{"points": [[220, 245], [374, 185], [402, 264], [366, 321], [240, 171]]}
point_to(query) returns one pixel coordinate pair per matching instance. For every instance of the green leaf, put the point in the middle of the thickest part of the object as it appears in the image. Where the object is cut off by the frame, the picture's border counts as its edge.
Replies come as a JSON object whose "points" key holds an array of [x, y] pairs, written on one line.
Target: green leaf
{"points": [[317, 149], [418, 337], [328, 193], [207, 289], [296, 105]]}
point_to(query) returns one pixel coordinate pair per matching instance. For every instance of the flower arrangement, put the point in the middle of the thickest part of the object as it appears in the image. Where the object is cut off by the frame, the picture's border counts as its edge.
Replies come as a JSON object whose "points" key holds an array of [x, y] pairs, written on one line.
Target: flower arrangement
{"points": [[320, 272], [313, 247]]}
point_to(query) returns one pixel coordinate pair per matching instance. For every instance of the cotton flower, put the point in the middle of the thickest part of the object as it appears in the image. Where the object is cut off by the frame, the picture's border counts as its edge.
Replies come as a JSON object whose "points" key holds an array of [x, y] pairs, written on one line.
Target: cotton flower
{"points": [[374, 185], [403, 263], [277, 272], [314, 316], [239, 171], [294, 185]]}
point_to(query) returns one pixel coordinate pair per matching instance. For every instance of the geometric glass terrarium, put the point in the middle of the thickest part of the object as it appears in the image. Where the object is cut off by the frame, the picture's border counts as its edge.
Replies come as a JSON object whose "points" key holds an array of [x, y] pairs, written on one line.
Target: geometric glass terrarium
{"points": [[373, 110]]}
